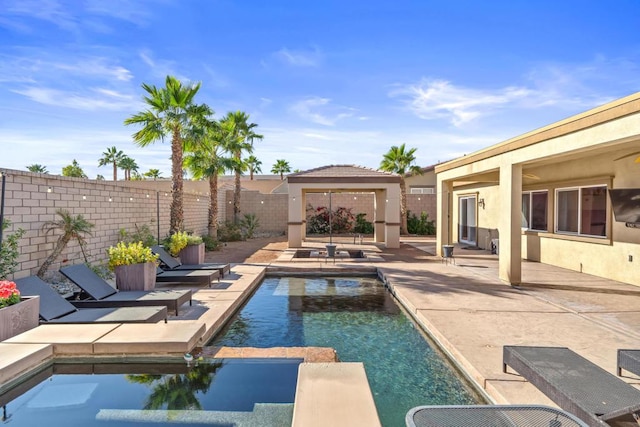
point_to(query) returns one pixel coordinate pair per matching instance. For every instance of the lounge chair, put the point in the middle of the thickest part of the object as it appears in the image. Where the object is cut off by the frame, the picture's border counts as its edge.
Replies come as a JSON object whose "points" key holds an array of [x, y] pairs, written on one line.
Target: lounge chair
{"points": [[574, 383], [628, 360], [172, 264], [202, 277], [101, 294], [55, 309]]}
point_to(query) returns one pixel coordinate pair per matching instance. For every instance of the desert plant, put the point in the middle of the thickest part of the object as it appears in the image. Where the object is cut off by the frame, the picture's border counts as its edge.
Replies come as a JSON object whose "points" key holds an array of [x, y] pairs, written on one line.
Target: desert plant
{"points": [[362, 225], [249, 225], [210, 244], [129, 253], [229, 232], [421, 226], [72, 227], [193, 239], [141, 234], [9, 251]]}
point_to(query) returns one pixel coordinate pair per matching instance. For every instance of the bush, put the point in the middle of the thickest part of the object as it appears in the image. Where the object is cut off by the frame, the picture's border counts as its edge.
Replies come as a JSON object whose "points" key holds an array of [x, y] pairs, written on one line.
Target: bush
{"points": [[193, 240], [180, 240], [362, 225], [249, 224], [210, 244], [142, 234], [318, 220], [421, 226], [229, 232], [129, 253], [9, 251]]}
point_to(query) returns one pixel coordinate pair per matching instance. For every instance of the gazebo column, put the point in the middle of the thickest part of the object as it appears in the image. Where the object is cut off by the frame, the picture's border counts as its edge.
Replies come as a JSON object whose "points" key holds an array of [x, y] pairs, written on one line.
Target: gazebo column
{"points": [[510, 223], [392, 218], [443, 215], [303, 204], [296, 217], [379, 207]]}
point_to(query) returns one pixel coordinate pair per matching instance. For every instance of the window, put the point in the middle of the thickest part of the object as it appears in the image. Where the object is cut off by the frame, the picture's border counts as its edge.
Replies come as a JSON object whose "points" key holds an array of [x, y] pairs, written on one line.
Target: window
{"points": [[534, 210], [423, 190], [582, 211]]}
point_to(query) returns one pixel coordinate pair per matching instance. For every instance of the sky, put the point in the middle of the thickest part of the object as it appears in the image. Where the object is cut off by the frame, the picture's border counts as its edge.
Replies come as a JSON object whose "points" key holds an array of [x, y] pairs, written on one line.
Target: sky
{"points": [[327, 82]]}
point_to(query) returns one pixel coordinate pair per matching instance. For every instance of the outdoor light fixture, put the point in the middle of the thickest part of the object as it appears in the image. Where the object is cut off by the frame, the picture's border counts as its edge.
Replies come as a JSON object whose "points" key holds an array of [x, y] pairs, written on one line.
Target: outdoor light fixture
{"points": [[147, 196], [262, 202], [49, 190], [198, 199], [84, 197], [481, 203], [110, 199], [131, 199]]}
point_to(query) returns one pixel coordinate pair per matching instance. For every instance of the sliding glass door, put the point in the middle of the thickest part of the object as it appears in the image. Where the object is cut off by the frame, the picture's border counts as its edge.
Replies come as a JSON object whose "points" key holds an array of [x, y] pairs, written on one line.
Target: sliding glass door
{"points": [[467, 220]]}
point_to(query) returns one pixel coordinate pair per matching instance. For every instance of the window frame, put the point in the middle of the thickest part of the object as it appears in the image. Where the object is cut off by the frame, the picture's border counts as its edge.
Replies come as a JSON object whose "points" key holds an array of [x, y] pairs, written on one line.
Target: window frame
{"points": [[579, 189], [530, 194]]}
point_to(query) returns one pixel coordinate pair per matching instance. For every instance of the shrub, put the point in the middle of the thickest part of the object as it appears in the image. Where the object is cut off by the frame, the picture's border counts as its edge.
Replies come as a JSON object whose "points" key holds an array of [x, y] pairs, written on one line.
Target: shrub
{"points": [[193, 240], [210, 244], [177, 242], [141, 234], [9, 251], [9, 294], [362, 225], [229, 232], [318, 220], [249, 224], [129, 253], [421, 226]]}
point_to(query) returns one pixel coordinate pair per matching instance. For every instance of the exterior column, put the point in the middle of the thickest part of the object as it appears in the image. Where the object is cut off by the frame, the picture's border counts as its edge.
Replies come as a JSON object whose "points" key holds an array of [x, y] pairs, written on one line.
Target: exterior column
{"points": [[510, 223], [379, 206], [392, 218], [443, 214], [296, 216]]}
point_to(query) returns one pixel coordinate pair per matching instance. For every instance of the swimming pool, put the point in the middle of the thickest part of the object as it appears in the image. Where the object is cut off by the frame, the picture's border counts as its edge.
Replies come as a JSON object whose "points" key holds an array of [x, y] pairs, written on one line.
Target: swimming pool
{"points": [[219, 392], [361, 320]]}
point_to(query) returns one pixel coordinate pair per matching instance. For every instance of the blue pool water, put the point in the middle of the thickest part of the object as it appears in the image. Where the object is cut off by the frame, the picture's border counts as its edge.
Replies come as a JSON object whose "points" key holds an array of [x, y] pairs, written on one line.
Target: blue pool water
{"points": [[216, 392], [361, 320]]}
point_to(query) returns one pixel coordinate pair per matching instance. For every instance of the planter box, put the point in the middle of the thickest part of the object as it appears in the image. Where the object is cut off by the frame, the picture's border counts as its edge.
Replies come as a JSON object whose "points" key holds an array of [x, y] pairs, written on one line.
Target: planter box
{"points": [[136, 277], [192, 254], [20, 317]]}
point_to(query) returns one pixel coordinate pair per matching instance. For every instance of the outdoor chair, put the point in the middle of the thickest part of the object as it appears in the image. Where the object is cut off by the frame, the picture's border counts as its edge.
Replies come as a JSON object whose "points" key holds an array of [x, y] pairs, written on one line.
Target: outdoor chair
{"points": [[628, 360], [102, 294], [490, 415], [172, 264], [201, 277], [574, 383], [55, 309]]}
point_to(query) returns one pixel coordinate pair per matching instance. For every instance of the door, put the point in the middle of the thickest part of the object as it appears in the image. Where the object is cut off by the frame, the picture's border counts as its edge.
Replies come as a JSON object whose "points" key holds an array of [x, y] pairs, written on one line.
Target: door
{"points": [[467, 220]]}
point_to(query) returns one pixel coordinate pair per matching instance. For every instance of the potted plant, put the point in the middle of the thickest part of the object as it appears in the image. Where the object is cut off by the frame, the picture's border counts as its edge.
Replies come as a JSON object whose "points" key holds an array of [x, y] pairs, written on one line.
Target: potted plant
{"points": [[17, 314], [189, 248], [134, 266]]}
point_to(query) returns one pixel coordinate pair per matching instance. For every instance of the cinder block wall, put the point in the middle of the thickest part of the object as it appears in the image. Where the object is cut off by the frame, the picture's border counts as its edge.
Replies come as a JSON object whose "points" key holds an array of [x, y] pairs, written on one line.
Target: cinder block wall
{"points": [[271, 210]]}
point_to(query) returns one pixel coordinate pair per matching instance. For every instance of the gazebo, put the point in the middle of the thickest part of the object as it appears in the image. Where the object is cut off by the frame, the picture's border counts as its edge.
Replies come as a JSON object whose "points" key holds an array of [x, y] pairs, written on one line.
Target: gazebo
{"points": [[347, 178]]}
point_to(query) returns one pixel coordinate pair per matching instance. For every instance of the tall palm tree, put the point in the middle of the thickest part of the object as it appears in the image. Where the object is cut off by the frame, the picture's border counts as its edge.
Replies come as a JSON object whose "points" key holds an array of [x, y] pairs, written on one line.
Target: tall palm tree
{"points": [[243, 137], [73, 170], [204, 161], [37, 168], [400, 160], [281, 166], [72, 227], [171, 112], [253, 164], [153, 173], [112, 157], [128, 164]]}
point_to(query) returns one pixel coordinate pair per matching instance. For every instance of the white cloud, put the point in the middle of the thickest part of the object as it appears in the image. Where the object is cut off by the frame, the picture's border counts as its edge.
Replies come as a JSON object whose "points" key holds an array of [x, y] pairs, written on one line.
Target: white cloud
{"points": [[300, 58], [126, 10], [102, 99], [319, 110], [45, 10]]}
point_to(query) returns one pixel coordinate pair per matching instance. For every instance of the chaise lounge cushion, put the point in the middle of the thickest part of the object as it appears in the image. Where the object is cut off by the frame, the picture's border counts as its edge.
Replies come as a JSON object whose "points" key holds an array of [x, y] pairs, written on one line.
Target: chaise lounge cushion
{"points": [[173, 264]]}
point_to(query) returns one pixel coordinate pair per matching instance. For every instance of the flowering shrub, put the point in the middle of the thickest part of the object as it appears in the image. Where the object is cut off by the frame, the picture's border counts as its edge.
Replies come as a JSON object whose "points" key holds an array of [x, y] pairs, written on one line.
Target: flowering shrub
{"points": [[180, 240], [9, 294], [318, 220], [129, 253]]}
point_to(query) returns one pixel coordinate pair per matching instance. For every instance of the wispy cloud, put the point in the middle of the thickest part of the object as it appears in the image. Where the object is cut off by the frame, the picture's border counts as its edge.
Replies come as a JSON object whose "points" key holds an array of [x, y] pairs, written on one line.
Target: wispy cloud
{"points": [[135, 12], [319, 110], [300, 58], [46, 10], [96, 99]]}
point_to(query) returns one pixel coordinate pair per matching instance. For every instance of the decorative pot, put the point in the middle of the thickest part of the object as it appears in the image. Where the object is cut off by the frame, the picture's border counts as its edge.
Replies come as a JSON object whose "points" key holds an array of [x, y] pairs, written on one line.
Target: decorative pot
{"points": [[192, 254], [18, 318], [136, 277], [331, 250]]}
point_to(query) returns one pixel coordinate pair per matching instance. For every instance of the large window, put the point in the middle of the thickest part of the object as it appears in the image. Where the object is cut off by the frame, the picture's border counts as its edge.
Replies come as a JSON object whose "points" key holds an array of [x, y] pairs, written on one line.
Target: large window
{"points": [[534, 210], [582, 210]]}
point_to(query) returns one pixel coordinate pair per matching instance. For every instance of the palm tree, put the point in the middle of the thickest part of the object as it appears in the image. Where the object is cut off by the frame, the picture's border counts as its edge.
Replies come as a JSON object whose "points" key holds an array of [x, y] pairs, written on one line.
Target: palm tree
{"points": [[128, 164], [37, 168], [204, 161], [242, 140], [171, 112], [153, 173], [253, 164], [400, 160], [72, 227], [114, 157], [281, 166], [73, 170], [100, 177]]}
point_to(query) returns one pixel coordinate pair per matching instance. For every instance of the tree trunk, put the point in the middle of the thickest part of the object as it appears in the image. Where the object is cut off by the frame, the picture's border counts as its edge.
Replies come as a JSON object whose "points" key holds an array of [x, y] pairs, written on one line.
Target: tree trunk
{"points": [[115, 171], [213, 206], [57, 250], [177, 214], [403, 206], [251, 174], [236, 195]]}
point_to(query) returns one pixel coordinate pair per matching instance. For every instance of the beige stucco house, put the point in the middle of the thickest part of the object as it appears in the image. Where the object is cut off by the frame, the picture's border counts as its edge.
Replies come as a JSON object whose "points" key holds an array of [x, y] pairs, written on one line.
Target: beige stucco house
{"points": [[546, 196]]}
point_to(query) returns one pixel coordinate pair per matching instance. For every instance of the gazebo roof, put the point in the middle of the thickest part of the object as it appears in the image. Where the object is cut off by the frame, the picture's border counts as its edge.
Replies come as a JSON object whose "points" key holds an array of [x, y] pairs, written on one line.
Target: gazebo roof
{"points": [[342, 174]]}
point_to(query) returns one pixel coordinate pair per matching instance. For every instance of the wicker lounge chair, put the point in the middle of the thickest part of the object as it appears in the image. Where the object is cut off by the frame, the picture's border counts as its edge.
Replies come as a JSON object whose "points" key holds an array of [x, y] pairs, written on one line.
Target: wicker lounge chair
{"points": [[574, 383], [490, 415], [629, 360], [172, 264], [55, 309], [202, 277], [101, 294]]}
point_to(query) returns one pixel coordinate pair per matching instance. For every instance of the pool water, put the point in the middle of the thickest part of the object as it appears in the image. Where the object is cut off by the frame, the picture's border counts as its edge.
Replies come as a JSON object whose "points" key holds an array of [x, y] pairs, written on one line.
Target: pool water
{"points": [[361, 320], [217, 392]]}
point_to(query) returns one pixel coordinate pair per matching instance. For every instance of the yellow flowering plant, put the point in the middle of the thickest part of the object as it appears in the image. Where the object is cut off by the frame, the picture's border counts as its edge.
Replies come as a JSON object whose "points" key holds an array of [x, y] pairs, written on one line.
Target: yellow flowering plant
{"points": [[130, 253], [180, 240]]}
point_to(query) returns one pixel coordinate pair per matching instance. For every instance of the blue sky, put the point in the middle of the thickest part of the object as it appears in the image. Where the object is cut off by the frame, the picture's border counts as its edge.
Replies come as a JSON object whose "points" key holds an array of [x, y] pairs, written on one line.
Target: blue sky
{"points": [[327, 82]]}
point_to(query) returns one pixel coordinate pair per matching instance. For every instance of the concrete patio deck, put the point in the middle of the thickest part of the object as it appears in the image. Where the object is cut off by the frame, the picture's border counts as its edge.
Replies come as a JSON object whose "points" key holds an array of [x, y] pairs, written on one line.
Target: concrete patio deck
{"points": [[464, 307]]}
